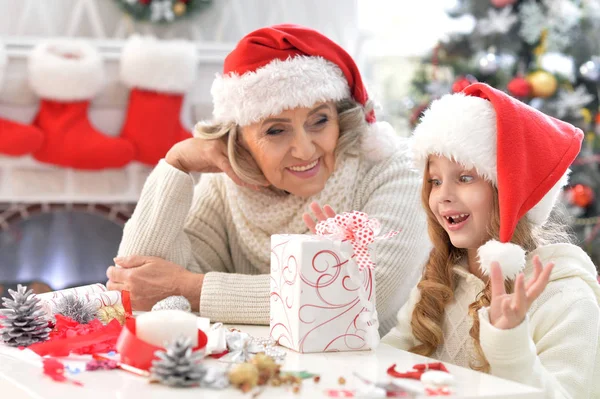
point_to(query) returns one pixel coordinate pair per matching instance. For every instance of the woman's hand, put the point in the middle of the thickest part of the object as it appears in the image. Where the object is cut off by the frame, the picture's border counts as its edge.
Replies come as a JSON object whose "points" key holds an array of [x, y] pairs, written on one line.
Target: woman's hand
{"points": [[150, 279], [204, 156], [508, 310], [320, 214]]}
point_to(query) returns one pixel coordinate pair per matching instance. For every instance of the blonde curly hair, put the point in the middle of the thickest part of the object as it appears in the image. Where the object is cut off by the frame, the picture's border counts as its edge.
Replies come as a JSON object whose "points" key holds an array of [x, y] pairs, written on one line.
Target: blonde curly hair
{"points": [[352, 124], [438, 282]]}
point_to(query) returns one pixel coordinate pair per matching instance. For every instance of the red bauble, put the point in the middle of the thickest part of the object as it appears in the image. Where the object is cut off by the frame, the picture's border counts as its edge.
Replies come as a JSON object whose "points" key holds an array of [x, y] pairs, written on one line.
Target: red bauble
{"points": [[502, 3], [144, 2], [461, 83], [581, 195], [519, 87]]}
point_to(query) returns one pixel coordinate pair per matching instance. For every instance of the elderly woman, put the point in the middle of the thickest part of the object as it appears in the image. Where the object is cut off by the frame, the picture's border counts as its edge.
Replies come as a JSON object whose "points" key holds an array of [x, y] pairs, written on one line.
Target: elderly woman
{"points": [[293, 128]]}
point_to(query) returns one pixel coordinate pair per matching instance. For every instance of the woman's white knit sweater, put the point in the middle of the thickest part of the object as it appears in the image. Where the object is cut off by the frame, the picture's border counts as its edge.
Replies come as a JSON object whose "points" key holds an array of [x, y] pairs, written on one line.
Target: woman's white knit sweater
{"points": [[556, 348], [224, 230]]}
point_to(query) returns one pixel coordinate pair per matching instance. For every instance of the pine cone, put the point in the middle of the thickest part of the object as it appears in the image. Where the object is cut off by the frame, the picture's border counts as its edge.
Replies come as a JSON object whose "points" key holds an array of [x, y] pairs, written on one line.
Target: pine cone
{"points": [[76, 309], [25, 321], [178, 366]]}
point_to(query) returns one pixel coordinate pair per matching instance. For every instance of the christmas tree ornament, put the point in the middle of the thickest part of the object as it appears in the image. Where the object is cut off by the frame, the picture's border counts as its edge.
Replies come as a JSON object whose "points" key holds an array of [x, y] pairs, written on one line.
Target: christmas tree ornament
{"points": [[462, 82], [159, 74], [581, 195], [497, 21], [76, 309], [558, 64], [487, 62], [571, 102], [266, 366], [519, 87], [162, 11], [24, 320], [176, 302], [590, 70], [543, 84], [502, 3], [550, 23], [110, 312], [179, 8], [66, 74], [178, 366]]}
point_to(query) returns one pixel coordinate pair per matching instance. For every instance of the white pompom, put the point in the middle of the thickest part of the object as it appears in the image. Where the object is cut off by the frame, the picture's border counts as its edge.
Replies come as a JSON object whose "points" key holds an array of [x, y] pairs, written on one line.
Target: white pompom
{"points": [[380, 141], [511, 258]]}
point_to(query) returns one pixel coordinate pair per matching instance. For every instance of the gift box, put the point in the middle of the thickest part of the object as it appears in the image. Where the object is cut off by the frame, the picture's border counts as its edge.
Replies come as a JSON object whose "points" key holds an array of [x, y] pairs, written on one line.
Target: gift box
{"points": [[323, 287]]}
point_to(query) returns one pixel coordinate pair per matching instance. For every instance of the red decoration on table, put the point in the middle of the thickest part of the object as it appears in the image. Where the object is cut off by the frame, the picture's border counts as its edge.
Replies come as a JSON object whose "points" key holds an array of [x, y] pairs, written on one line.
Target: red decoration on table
{"points": [[56, 370], [417, 371], [339, 393], [519, 87], [140, 354], [69, 336]]}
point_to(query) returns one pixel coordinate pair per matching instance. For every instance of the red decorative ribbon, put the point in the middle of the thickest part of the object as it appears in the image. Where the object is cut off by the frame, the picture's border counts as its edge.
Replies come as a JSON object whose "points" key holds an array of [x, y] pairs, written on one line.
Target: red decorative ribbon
{"points": [[56, 370], [357, 228], [140, 354], [418, 370]]}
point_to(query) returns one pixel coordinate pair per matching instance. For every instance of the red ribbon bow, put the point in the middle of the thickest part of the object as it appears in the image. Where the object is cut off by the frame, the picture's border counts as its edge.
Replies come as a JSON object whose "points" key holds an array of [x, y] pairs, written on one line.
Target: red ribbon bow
{"points": [[357, 228]]}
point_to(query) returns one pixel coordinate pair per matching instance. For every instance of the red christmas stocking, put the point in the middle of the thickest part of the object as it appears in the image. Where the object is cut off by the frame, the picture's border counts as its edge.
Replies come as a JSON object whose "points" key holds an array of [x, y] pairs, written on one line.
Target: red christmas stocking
{"points": [[16, 138], [66, 75], [159, 73]]}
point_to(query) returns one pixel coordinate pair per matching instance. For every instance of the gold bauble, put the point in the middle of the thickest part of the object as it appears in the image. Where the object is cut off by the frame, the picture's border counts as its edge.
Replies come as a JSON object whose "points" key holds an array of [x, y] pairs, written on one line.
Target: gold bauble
{"points": [[543, 84], [179, 8], [107, 313]]}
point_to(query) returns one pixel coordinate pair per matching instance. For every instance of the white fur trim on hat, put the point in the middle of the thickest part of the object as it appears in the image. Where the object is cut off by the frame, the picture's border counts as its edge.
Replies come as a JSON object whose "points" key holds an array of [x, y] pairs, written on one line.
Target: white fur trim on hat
{"points": [[3, 63], [511, 258], [159, 65], [461, 128], [380, 141], [539, 213], [299, 81], [66, 70]]}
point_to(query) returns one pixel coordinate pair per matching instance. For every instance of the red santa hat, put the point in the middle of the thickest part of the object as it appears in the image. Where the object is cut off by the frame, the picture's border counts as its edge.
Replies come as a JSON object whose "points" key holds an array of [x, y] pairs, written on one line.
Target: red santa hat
{"points": [[283, 67], [523, 152]]}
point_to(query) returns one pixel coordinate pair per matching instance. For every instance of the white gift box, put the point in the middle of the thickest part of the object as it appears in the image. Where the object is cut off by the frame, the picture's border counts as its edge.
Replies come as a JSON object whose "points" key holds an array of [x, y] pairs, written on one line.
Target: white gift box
{"points": [[320, 301]]}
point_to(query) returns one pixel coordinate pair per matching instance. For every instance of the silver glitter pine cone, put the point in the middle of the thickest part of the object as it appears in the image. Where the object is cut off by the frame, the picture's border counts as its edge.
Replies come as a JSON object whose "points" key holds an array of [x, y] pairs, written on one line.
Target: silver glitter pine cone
{"points": [[25, 321], [178, 366], [76, 309], [174, 302]]}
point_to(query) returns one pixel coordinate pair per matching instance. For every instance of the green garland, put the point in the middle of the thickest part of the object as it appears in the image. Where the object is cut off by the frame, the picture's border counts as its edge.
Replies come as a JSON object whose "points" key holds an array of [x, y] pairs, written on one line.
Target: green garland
{"points": [[162, 11]]}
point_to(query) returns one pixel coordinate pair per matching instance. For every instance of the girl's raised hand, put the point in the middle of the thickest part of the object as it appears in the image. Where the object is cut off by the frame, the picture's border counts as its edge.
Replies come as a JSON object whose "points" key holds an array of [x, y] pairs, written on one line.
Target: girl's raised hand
{"points": [[508, 310]]}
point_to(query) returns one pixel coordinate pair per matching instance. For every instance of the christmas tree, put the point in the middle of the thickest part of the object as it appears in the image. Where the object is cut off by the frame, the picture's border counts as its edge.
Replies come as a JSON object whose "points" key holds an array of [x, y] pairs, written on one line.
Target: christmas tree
{"points": [[545, 53]]}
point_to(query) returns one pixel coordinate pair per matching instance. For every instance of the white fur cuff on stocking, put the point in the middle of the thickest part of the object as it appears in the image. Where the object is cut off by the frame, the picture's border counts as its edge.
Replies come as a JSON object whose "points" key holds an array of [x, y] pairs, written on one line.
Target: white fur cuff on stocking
{"points": [[511, 258]]}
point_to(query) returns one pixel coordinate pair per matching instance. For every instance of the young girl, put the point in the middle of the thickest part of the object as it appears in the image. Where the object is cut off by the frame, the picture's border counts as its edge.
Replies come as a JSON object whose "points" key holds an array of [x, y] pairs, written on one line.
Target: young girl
{"points": [[502, 291]]}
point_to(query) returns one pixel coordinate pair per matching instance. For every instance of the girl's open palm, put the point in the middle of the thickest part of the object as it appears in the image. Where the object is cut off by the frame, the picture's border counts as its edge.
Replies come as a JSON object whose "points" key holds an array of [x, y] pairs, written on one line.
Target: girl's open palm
{"points": [[508, 310]]}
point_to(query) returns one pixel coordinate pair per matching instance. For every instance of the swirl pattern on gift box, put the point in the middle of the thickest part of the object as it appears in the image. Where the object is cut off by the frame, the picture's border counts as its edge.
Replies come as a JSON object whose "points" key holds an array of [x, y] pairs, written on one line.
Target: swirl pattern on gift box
{"points": [[337, 300], [282, 289], [345, 304]]}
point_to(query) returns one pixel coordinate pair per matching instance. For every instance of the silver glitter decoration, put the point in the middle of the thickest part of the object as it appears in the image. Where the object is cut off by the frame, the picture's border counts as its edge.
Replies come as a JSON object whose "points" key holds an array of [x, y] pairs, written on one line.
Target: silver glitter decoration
{"points": [[173, 303], [242, 347]]}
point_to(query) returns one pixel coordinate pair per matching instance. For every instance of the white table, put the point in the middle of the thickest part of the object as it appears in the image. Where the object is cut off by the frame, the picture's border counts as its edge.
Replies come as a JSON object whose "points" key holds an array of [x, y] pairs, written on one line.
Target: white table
{"points": [[24, 379]]}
